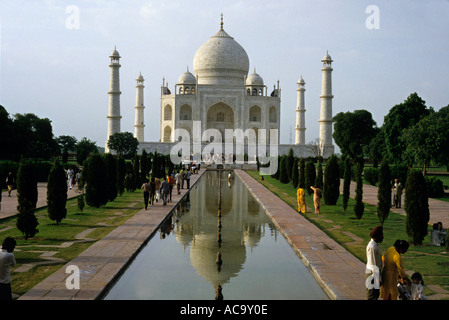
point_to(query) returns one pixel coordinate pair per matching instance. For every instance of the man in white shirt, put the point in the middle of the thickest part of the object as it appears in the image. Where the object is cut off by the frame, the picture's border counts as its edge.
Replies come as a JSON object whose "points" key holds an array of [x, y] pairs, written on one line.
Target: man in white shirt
{"points": [[374, 264], [7, 261]]}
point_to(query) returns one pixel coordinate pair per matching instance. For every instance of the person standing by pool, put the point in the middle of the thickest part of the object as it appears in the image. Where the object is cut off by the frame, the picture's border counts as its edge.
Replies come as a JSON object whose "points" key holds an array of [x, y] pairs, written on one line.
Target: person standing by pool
{"points": [[317, 193], [392, 262], [374, 264]]}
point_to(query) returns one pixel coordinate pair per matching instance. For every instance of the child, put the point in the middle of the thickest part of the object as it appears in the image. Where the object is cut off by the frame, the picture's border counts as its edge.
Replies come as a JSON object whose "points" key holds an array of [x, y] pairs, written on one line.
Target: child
{"points": [[417, 289]]}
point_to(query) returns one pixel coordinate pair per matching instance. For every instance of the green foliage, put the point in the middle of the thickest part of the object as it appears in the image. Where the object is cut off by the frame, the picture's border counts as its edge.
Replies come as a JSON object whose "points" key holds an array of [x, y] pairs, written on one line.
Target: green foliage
{"points": [[111, 176], [359, 206], [95, 179], [371, 175], [346, 183], [416, 207], [124, 143], [435, 187], [27, 199], [384, 192], [331, 190], [319, 176], [295, 174], [84, 148], [400, 172], [144, 165], [289, 163], [57, 193], [129, 182], [283, 174], [310, 176], [302, 174], [121, 171]]}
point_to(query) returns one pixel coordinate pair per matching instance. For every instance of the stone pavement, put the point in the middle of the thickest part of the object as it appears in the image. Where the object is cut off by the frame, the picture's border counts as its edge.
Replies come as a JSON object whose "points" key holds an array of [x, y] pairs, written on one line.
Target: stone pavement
{"points": [[9, 204], [339, 273], [101, 263]]}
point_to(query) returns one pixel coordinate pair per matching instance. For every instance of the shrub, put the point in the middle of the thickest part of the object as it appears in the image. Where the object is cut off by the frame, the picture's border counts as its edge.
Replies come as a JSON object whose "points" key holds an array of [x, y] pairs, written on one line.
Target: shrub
{"points": [[95, 179], [384, 192], [359, 206], [27, 199], [331, 188], [371, 175], [295, 173], [57, 193], [346, 182], [310, 176], [435, 187]]}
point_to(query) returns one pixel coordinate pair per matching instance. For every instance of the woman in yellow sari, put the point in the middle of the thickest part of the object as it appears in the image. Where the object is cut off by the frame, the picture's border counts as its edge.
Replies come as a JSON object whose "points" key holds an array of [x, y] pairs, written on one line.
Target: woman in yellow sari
{"points": [[392, 262], [301, 200]]}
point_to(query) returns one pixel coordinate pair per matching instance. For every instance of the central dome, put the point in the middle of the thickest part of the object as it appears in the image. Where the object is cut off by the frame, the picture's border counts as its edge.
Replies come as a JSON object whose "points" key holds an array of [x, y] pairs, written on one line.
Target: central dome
{"points": [[221, 61]]}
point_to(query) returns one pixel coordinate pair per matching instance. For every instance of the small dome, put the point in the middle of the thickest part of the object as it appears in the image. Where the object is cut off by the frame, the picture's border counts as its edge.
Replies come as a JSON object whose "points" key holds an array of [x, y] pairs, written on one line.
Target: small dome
{"points": [[301, 81], [115, 53], [140, 78], [327, 57], [187, 78], [254, 80]]}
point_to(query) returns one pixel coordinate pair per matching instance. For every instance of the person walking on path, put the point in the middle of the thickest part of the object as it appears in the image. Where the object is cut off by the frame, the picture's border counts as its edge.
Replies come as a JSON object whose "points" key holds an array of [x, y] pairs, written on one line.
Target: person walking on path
{"points": [[398, 200], [317, 194], [152, 191], [392, 262], [146, 192], [165, 190], [70, 175], [171, 183], [374, 264], [178, 179], [301, 200], [7, 261], [157, 186], [188, 173], [10, 183]]}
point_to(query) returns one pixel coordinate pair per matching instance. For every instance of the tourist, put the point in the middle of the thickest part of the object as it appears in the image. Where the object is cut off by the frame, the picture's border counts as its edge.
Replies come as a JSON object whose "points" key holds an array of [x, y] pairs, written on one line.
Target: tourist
{"points": [[146, 192], [7, 261], [392, 269], [157, 186], [178, 181], [171, 182], [395, 185], [152, 191], [188, 178], [164, 190], [417, 287], [374, 264], [70, 175], [183, 177], [438, 235], [301, 200], [398, 200], [10, 183], [317, 194]]}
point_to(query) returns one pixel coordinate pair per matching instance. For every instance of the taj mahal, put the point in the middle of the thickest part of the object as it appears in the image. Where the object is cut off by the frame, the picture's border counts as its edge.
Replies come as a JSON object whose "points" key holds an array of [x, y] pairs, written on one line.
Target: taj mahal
{"points": [[219, 95]]}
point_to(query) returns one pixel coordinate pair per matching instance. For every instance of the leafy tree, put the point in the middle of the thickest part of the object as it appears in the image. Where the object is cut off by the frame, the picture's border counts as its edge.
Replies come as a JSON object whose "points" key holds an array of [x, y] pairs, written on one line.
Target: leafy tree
{"points": [[353, 131], [416, 207], [375, 150], [359, 206], [295, 173], [57, 193], [400, 117], [84, 148], [302, 174], [95, 178], [7, 145], [66, 143], [331, 188], [384, 192], [124, 143], [346, 183], [111, 176], [310, 176], [27, 199]]}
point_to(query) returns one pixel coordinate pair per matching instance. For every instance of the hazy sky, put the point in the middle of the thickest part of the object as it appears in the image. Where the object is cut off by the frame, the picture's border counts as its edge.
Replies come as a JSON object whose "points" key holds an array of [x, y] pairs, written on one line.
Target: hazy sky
{"points": [[54, 55]]}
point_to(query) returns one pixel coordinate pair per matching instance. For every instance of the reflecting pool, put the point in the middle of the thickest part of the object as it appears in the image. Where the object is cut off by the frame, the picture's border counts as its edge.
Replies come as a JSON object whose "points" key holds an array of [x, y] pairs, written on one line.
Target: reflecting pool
{"points": [[209, 249]]}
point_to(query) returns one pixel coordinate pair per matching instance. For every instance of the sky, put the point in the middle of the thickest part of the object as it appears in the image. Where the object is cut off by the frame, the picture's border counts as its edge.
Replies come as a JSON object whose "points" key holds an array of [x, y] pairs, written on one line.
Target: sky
{"points": [[54, 55]]}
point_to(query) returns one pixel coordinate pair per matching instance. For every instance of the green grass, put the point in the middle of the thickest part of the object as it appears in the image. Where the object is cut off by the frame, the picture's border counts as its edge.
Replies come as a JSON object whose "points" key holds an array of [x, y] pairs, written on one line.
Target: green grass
{"points": [[103, 220], [342, 226]]}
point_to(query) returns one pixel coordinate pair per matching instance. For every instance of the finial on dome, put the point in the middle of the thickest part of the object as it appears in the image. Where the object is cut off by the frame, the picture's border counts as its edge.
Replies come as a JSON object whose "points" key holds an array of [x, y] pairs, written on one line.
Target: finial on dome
{"points": [[221, 23]]}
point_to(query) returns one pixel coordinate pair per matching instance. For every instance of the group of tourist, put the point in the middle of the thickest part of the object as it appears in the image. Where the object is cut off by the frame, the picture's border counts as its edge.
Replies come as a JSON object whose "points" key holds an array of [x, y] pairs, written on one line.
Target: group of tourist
{"points": [[385, 274], [161, 189], [301, 197]]}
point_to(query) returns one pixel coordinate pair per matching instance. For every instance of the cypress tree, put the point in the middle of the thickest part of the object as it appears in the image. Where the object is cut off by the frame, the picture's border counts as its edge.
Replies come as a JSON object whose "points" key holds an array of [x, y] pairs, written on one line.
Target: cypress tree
{"points": [[57, 193], [331, 188], [27, 199], [384, 192], [283, 174], [319, 176], [136, 174], [310, 176], [359, 207], [121, 171], [290, 159], [95, 178], [144, 168], [302, 174], [295, 173], [346, 183], [111, 176], [416, 206], [278, 171]]}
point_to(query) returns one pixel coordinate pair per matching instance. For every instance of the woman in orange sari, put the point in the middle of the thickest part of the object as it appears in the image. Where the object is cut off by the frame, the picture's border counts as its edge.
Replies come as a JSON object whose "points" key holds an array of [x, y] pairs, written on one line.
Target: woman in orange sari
{"points": [[392, 270], [301, 200]]}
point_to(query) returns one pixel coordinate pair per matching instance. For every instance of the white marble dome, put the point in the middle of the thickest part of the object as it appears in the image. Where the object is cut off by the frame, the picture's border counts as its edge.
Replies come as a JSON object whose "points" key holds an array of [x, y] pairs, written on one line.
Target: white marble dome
{"points": [[187, 78], [221, 61], [254, 79]]}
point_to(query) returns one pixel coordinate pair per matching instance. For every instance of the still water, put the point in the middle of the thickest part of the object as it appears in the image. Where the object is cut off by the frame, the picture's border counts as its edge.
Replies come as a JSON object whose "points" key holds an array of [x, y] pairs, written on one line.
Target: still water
{"points": [[180, 261]]}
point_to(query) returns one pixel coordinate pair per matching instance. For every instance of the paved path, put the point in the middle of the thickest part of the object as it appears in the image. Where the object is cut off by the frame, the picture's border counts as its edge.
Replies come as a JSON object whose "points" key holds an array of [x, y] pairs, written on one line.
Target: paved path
{"points": [[9, 204], [340, 274], [102, 262], [439, 210]]}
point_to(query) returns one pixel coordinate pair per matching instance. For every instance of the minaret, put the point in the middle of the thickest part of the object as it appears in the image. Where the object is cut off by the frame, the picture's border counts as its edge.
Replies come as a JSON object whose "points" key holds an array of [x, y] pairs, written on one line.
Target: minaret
{"points": [[114, 97], [139, 123], [326, 102], [301, 114]]}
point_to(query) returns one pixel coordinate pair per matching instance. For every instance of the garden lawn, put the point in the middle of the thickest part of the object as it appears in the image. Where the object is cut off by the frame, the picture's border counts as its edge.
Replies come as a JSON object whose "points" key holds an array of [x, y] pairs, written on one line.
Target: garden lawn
{"points": [[353, 234], [52, 239]]}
